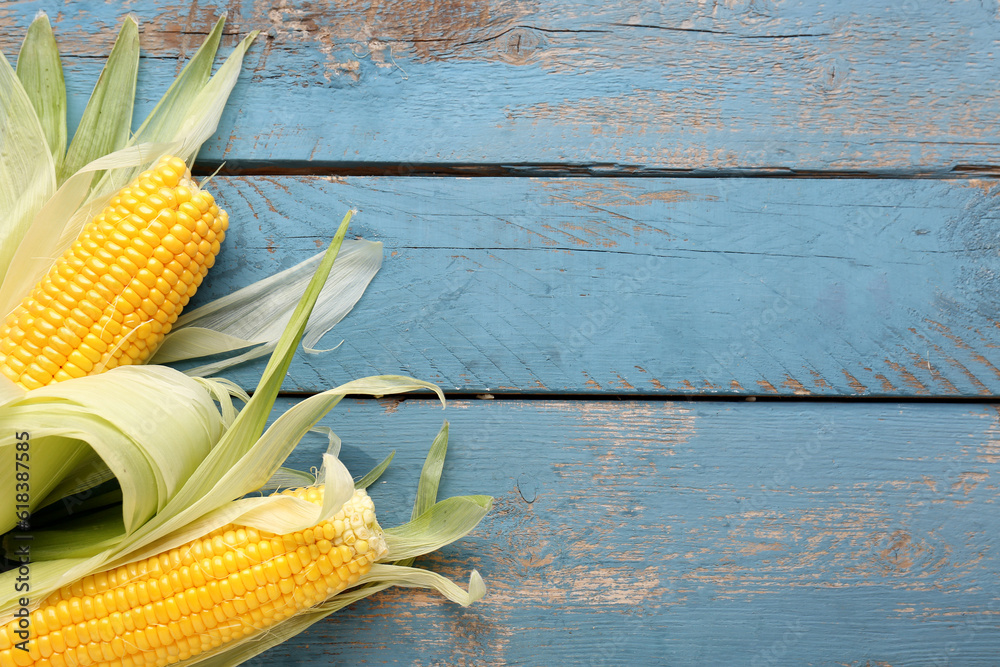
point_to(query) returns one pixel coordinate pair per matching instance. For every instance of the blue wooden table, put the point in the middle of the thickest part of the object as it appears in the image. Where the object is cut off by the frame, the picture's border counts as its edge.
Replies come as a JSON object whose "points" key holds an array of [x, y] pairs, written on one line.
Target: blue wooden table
{"points": [[712, 287]]}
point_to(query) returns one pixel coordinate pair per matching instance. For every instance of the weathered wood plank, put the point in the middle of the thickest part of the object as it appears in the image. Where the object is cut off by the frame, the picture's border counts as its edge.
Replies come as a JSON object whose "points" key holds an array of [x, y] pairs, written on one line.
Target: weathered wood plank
{"points": [[688, 533], [718, 286], [798, 85]]}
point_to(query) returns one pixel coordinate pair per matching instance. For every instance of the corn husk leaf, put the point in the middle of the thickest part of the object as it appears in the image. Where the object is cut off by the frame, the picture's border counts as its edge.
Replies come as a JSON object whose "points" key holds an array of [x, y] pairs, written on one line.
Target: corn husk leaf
{"points": [[150, 425], [181, 135], [413, 577], [242, 460], [206, 109], [223, 391], [89, 474], [27, 173], [56, 454], [430, 474], [442, 524], [332, 439], [9, 391], [288, 478], [40, 72], [255, 315], [178, 103], [104, 127], [255, 468], [379, 578], [188, 113], [382, 575], [430, 478]]}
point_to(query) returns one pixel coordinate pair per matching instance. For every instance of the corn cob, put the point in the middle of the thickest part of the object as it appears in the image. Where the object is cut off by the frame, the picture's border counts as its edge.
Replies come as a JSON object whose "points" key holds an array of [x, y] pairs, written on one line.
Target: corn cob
{"points": [[231, 583], [117, 291]]}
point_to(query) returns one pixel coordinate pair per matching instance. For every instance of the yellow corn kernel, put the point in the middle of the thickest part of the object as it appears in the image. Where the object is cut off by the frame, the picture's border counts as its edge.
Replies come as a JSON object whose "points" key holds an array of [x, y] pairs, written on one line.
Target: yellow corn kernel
{"points": [[135, 263], [161, 617]]}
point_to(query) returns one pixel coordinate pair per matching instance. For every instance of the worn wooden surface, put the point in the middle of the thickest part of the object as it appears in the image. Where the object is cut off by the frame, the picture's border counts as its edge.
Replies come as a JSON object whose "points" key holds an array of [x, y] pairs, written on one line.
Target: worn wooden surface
{"points": [[839, 531], [702, 533], [646, 286], [691, 85]]}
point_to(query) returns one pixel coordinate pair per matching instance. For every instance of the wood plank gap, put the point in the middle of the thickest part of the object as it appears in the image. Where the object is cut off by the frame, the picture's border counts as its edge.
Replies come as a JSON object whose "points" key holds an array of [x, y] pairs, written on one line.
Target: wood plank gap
{"points": [[721, 398], [558, 170]]}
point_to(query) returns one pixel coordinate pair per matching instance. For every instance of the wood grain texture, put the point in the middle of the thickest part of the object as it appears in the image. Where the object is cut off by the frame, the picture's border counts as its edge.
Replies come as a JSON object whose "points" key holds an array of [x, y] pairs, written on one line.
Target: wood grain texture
{"points": [[649, 286], [638, 531], [687, 533], [743, 84]]}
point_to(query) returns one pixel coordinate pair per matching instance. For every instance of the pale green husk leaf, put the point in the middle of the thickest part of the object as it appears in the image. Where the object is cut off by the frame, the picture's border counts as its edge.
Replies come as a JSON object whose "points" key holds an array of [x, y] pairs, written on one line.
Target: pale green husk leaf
{"points": [[442, 524], [241, 460], [206, 109], [9, 391], [288, 478], [430, 474], [413, 577], [223, 391], [430, 478], [255, 315], [105, 125], [177, 104], [183, 135], [189, 112], [27, 173], [150, 425], [40, 72], [332, 439], [86, 478]]}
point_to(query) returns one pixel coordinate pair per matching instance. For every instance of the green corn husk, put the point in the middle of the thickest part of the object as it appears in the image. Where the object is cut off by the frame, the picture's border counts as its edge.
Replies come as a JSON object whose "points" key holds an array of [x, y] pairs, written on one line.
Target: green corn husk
{"points": [[215, 465], [48, 192], [130, 462]]}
